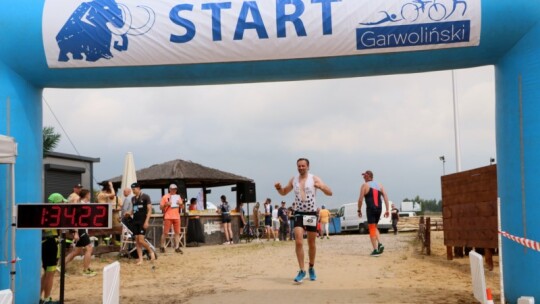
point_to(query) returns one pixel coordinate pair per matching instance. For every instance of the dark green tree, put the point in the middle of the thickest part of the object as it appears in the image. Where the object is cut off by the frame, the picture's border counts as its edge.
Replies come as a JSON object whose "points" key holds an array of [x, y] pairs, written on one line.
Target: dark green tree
{"points": [[50, 139]]}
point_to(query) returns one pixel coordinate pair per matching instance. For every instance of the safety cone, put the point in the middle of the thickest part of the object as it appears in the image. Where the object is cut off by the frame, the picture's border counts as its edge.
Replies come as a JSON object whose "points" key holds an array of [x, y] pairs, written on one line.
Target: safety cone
{"points": [[489, 296]]}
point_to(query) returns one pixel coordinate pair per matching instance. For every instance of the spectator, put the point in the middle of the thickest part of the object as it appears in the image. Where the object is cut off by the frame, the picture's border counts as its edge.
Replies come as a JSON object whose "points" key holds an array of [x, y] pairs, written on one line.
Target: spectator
{"points": [[395, 218], [240, 210], [268, 219], [275, 222], [142, 209], [225, 211], [170, 205], [49, 255], [75, 197], [283, 216], [127, 206], [82, 242], [107, 195], [194, 227], [292, 210], [256, 218], [324, 219]]}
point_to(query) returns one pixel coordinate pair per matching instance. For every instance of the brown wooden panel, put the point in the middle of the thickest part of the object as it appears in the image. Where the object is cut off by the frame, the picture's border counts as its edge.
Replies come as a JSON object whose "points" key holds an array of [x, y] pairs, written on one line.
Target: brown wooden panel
{"points": [[470, 208]]}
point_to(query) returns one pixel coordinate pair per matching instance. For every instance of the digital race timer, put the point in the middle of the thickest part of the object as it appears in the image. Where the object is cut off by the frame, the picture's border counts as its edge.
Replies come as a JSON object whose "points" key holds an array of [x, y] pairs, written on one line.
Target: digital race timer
{"points": [[64, 216]]}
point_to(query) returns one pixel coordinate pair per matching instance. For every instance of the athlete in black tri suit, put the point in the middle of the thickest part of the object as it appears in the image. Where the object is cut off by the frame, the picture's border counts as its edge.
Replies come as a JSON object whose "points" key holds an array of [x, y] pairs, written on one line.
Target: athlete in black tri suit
{"points": [[372, 193]]}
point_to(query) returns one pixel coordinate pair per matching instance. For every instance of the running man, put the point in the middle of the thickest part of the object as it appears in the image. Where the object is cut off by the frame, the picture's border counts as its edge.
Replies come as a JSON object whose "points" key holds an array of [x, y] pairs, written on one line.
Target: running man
{"points": [[372, 192], [305, 187]]}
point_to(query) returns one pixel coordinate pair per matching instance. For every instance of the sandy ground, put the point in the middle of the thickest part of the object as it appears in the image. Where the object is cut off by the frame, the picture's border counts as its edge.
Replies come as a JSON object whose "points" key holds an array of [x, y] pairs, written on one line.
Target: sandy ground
{"points": [[263, 272]]}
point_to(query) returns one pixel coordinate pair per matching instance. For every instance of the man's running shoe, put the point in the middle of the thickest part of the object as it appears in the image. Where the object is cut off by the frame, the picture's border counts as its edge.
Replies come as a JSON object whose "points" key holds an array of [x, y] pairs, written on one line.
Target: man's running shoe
{"points": [[48, 301], [380, 248], [89, 273], [162, 249], [179, 250], [312, 275], [375, 253], [300, 277]]}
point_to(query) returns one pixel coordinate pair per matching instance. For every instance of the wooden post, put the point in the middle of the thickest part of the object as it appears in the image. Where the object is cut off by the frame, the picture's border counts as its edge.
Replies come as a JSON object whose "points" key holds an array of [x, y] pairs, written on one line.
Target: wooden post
{"points": [[420, 227], [449, 254], [428, 236], [489, 258]]}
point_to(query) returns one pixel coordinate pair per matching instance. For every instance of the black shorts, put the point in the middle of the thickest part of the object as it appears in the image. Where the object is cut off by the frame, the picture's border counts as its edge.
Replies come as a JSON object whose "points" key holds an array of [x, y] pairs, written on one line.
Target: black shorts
{"points": [[299, 221], [373, 215], [138, 228], [84, 240], [49, 253], [268, 221], [225, 218]]}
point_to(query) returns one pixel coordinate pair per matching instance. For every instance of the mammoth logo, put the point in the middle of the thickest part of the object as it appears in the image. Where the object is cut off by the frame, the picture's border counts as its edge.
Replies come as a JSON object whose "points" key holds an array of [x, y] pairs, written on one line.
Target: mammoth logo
{"points": [[90, 28]]}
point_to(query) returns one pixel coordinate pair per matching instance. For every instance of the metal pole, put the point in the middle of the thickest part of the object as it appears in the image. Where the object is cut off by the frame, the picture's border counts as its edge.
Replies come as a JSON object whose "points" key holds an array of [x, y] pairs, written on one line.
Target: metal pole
{"points": [[443, 167], [62, 265], [13, 211], [501, 276], [14, 259], [456, 125]]}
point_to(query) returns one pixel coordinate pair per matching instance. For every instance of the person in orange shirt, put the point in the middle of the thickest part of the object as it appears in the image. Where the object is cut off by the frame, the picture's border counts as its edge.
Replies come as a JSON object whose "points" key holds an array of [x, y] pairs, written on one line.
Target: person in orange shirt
{"points": [[170, 206], [324, 219]]}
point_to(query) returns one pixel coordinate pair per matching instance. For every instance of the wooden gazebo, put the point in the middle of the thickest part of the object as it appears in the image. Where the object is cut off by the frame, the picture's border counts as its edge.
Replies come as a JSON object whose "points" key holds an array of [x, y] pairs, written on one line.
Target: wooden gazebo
{"points": [[185, 174]]}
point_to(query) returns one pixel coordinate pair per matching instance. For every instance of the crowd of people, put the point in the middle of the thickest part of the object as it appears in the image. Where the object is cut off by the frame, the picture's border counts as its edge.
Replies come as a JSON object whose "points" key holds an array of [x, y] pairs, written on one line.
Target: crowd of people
{"points": [[301, 219], [278, 221]]}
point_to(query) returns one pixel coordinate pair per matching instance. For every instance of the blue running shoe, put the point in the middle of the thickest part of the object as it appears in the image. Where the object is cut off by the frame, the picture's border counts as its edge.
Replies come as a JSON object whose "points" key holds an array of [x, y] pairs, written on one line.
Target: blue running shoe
{"points": [[312, 275], [300, 277]]}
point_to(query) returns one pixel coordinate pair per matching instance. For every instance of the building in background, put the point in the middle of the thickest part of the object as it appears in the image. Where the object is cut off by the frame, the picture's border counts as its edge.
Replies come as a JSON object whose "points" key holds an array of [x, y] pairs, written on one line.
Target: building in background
{"points": [[62, 171]]}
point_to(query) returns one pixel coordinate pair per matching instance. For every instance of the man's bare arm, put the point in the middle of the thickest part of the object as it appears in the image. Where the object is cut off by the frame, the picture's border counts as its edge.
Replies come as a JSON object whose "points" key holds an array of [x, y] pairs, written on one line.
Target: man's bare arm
{"points": [[284, 190], [361, 199], [386, 202], [319, 184]]}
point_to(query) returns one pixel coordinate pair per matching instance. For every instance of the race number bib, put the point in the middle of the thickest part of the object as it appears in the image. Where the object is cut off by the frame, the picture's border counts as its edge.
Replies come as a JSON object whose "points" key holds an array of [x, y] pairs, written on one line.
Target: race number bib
{"points": [[310, 220]]}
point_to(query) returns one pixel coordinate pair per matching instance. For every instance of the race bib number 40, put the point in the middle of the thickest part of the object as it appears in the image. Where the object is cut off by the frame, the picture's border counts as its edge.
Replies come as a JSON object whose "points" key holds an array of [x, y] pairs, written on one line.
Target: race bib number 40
{"points": [[310, 220]]}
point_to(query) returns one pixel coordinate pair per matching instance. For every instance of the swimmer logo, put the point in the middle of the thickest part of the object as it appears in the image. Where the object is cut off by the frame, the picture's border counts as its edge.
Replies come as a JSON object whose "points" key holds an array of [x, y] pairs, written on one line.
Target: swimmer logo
{"points": [[417, 23], [89, 30]]}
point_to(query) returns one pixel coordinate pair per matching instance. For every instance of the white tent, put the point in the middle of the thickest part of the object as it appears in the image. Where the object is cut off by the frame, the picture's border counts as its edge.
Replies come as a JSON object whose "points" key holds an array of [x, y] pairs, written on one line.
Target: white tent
{"points": [[8, 150], [8, 153]]}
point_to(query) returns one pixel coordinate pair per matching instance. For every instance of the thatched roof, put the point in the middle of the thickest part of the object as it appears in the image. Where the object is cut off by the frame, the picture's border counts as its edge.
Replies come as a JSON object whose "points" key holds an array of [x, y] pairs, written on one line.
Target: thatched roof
{"points": [[192, 174]]}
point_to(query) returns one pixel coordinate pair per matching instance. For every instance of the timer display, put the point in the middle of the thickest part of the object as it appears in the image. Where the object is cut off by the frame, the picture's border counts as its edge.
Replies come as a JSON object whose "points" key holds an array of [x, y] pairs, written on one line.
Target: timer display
{"points": [[64, 216]]}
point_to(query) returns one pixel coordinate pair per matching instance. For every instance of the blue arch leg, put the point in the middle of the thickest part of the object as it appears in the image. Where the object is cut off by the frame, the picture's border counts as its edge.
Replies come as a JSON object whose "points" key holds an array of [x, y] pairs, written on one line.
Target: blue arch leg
{"points": [[25, 124], [518, 153]]}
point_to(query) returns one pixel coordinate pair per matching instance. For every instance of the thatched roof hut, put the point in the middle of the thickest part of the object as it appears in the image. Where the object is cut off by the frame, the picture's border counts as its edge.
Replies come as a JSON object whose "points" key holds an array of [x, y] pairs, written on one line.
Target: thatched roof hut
{"points": [[182, 172]]}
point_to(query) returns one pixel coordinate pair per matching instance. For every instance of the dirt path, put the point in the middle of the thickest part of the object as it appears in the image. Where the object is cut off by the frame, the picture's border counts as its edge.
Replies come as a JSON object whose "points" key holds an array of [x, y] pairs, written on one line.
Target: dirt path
{"points": [[263, 273]]}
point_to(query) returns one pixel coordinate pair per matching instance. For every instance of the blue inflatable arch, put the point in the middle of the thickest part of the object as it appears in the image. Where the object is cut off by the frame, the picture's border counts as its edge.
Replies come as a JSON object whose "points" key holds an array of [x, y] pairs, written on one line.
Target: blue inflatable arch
{"points": [[93, 44]]}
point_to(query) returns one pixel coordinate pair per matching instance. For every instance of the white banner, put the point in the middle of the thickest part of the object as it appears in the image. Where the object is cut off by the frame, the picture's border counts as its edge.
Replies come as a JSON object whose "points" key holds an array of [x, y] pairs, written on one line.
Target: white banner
{"points": [[103, 33]]}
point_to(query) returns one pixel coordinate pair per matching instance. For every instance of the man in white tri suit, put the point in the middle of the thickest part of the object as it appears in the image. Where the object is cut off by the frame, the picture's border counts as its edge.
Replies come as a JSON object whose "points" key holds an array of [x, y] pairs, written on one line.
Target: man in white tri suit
{"points": [[305, 187]]}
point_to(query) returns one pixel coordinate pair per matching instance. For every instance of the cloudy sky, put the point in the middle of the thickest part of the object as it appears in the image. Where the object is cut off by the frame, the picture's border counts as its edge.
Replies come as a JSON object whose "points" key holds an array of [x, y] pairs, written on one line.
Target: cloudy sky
{"points": [[397, 126]]}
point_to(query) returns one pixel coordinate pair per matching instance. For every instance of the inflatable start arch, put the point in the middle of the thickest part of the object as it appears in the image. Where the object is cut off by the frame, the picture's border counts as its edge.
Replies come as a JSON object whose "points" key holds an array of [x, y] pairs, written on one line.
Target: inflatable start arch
{"points": [[121, 43]]}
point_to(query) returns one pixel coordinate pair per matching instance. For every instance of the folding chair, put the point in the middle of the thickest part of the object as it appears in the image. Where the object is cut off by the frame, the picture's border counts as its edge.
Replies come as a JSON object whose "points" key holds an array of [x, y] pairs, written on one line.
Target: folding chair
{"points": [[128, 248], [170, 238]]}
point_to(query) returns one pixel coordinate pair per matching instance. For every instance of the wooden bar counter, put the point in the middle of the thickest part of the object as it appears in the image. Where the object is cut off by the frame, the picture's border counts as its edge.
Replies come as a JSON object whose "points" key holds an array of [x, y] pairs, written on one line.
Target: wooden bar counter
{"points": [[210, 221]]}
